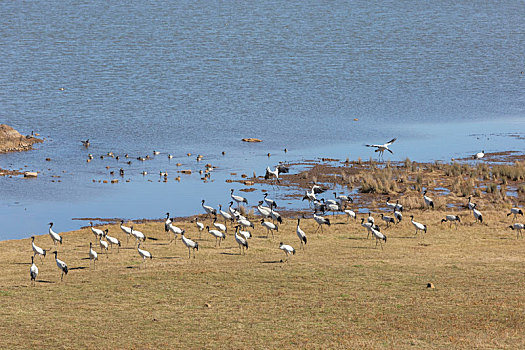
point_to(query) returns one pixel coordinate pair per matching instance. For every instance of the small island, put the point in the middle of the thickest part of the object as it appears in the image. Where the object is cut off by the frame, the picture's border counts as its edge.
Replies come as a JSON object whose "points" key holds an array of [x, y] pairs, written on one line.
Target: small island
{"points": [[12, 141]]}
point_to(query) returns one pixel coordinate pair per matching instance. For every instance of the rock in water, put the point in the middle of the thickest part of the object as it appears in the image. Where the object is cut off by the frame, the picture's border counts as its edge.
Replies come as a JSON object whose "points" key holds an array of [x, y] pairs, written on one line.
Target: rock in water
{"points": [[12, 141]]}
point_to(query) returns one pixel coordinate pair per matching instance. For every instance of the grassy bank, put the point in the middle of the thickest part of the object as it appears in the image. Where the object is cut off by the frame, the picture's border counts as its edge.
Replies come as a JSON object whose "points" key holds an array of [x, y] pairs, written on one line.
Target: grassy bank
{"points": [[341, 292]]}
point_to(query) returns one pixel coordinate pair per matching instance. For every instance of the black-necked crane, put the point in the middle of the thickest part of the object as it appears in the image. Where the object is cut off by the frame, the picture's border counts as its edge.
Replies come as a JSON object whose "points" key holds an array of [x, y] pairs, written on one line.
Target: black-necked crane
{"points": [[451, 219], [190, 244], [219, 236], [477, 215], [270, 202], [479, 155], [368, 225], [517, 227], [112, 240], [343, 199], [270, 226], [309, 196], [33, 270], [300, 234], [61, 266], [333, 208], [200, 226], [227, 216], [125, 229], [398, 215], [316, 189], [245, 223], [515, 211], [428, 201], [96, 231], [321, 221], [219, 226], [370, 218], [378, 236], [139, 236], [209, 210], [287, 249], [470, 205], [280, 169], [390, 205], [242, 242], [387, 219], [144, 254], [238, 199], [245, 234], [384, 147], [399, 207], [37, 249], [54, 236], [264, 211], [103, 246], [93, 256], [167, 222], [350, 214], [235, 213], [276, 216], [175, 230], [417, 225]]}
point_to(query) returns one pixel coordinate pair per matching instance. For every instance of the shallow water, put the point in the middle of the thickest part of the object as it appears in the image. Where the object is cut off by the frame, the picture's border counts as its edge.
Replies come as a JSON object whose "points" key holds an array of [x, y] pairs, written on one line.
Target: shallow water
{"points": [[197, 77]]}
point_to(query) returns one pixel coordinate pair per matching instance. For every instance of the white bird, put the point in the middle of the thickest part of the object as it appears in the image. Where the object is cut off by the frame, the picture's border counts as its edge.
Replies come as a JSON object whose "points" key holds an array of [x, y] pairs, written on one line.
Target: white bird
{"points": [[264, 211], [428, 201], [384, 147], [33, 270], [219, 236], [309, 196], [321, 221], [477, 215], [470, 205], [209, 210], [398, 215], [137, 234], [227, 216], [343, 199], [350, 214], [190, 244], [175, 230], [417, 225], [167, 222], [398, 207], [103, 246], [245, 234], [37, 249], [371, 219], [368, 226], [112, 240], [517, 227], [280, 169], [287, 249], [54, 236], [300, 234], [241, 241], [515, 211], [276, 216], [333, 208], [269, 201], [378, 236], [452, 219], [125, 229], [479, 155], [270, 226], [387, 219], [200, 226], [316, 189], [245, 223], [144, 254], [61, 265], [238, 199], [97, 232], [329, 201], [235, 213], [391, 206], [219, 226], [93, 256]]}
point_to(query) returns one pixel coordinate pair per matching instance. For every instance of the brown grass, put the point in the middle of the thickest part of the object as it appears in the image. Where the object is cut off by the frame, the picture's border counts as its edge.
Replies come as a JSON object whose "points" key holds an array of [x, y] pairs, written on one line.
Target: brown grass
{"points": [[342, 292]]}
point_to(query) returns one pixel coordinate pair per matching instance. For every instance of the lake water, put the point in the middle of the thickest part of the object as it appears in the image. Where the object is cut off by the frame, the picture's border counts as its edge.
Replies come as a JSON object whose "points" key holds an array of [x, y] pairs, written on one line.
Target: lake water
{"points": [[445, 78]]}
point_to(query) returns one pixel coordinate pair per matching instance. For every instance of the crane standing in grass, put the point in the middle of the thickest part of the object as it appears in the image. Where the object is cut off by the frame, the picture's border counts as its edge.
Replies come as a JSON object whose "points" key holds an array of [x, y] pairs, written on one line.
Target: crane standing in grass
{"points": [[417, 225], [301, 235], [515, 211], [451, 219], [33, 270]]}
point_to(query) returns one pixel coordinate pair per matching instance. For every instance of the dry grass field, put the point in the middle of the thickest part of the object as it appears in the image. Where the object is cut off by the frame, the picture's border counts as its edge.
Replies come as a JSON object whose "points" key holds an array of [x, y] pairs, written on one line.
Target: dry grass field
{"points": [[341, 292]]}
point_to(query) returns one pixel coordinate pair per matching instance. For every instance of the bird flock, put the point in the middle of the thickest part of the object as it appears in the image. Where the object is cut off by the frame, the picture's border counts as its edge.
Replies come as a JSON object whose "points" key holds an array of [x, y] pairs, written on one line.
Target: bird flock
{"points": [[222, 222]]}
